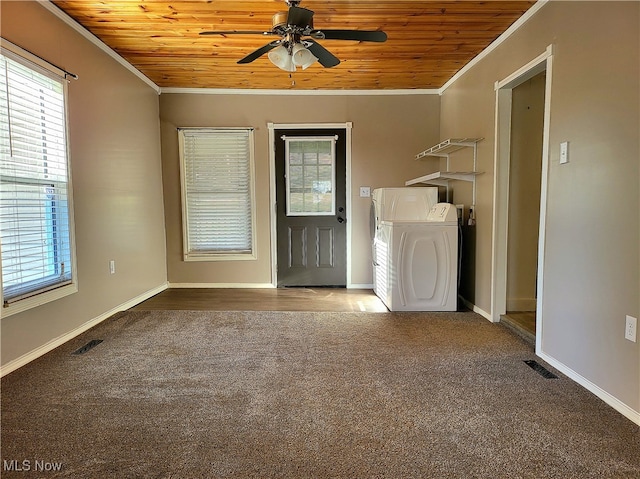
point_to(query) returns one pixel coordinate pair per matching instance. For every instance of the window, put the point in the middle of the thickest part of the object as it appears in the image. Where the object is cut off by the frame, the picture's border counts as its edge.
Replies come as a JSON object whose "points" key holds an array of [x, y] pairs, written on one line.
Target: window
{"points": [[35, 220], [310, 176], [218, 216]]}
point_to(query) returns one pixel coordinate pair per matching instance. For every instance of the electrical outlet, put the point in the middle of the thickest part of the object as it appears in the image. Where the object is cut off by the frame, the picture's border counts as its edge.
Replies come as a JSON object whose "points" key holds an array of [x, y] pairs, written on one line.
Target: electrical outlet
{"points": [[472, 215], [630, 328], [112, 267]]}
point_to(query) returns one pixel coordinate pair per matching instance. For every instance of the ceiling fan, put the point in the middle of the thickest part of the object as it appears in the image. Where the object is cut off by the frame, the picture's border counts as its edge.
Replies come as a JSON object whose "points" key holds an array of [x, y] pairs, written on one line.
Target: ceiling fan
{"points": [[297, 44]]}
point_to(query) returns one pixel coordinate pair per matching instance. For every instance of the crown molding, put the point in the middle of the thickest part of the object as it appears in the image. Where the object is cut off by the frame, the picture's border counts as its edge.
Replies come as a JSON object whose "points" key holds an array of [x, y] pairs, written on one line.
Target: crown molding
{"points": [[222, 91], [97, 42], [229, 91], [496, 43]]}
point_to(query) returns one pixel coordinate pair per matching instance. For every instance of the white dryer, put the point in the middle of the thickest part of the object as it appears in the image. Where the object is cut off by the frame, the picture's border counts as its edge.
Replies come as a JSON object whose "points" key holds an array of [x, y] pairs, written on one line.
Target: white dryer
{"points": [[417, 262]]}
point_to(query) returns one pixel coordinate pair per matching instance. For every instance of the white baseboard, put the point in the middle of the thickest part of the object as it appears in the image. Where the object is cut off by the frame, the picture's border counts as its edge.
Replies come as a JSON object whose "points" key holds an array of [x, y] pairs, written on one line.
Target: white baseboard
{"points": [[475, 309], [60, 340], [248, 285], [221, 285], [612, 401]]}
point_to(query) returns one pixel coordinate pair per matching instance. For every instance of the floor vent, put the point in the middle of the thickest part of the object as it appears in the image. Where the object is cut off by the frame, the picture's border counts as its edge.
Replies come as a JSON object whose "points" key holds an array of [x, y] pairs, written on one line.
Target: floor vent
{"points": [[541, 370], [90, 345]]}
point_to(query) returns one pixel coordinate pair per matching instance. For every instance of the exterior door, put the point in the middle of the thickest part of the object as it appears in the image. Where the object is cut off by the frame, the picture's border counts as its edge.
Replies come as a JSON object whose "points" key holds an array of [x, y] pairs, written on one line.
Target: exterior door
{"points": [[311, 207]]}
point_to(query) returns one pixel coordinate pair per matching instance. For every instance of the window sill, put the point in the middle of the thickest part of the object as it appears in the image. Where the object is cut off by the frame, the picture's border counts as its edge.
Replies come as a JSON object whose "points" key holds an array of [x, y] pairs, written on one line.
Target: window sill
{"points": [[220, 257], [38, 300]]}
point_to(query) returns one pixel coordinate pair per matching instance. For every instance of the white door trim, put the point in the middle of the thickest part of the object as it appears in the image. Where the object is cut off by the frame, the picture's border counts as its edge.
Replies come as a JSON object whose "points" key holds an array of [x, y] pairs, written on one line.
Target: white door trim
{"points": [[347, 126], [504, 89]]}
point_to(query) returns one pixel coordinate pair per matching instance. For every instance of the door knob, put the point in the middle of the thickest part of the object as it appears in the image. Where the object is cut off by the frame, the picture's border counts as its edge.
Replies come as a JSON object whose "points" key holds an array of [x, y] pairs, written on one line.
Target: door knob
{"points": [[340, 219]]}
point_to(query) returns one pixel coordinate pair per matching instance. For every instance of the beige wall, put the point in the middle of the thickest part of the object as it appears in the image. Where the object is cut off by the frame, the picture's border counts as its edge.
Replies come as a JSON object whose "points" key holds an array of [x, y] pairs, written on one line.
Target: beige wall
{"points": [[591, 274], [387, 133], [592, 259], [115, 160]]}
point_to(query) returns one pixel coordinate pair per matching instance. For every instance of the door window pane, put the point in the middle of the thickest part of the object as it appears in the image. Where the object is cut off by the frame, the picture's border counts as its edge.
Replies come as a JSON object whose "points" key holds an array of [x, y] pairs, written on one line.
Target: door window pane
{"points": [[310, 176]]}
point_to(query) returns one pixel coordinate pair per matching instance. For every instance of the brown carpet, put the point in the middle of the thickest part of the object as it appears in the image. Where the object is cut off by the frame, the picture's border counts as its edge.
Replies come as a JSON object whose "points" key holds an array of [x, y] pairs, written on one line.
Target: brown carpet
{"points": [[172, 394]]}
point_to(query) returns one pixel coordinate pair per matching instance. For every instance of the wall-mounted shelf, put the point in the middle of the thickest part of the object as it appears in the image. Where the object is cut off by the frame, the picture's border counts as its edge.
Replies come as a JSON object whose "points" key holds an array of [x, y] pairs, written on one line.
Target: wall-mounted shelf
{"points": [[443, 150], [442, 178], [446, 147]]}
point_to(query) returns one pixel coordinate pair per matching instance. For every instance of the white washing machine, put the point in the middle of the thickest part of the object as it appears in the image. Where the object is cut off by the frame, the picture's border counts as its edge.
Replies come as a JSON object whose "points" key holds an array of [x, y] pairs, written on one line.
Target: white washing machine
{"points": [[395, 204], [402, 204], [416, 262]]}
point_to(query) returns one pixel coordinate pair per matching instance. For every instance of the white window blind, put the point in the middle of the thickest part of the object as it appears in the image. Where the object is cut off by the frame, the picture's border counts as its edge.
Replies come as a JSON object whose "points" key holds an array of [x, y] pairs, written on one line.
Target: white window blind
{"points": [[34, 187], [217, 186]]}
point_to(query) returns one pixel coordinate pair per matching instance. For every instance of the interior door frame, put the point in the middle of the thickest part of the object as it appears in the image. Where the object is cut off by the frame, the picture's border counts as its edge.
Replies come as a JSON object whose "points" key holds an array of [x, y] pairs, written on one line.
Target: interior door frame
{"points": [[504, 91], [347, 126]]}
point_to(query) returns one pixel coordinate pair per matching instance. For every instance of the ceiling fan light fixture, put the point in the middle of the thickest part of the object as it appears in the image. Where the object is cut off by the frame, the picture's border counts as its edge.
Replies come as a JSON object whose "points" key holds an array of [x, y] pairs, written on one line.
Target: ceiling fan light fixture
{"points": [[302, 57], [280, 57], [297, 46]]}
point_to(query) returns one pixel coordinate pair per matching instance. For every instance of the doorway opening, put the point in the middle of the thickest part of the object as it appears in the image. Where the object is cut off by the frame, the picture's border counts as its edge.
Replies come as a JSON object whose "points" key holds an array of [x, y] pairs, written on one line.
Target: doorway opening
{"points": [[525, 177], [522, 139]]}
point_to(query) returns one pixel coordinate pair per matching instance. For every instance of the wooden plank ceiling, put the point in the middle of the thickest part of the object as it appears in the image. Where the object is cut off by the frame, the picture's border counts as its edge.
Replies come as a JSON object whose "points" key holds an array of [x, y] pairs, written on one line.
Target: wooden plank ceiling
{"points": [[428, 41]]}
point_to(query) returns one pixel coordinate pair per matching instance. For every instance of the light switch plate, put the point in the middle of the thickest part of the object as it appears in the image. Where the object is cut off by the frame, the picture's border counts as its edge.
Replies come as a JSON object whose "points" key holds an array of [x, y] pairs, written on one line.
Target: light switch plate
{"points": [[630, 328], [564, 152], [365, 191]]}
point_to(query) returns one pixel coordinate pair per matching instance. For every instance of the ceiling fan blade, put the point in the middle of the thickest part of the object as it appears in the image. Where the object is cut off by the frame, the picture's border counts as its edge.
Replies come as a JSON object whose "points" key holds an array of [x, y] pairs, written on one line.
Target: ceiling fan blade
{"points": [[300, 17], [360, 35], [238, 32], [259, 52], [324, 56]]}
